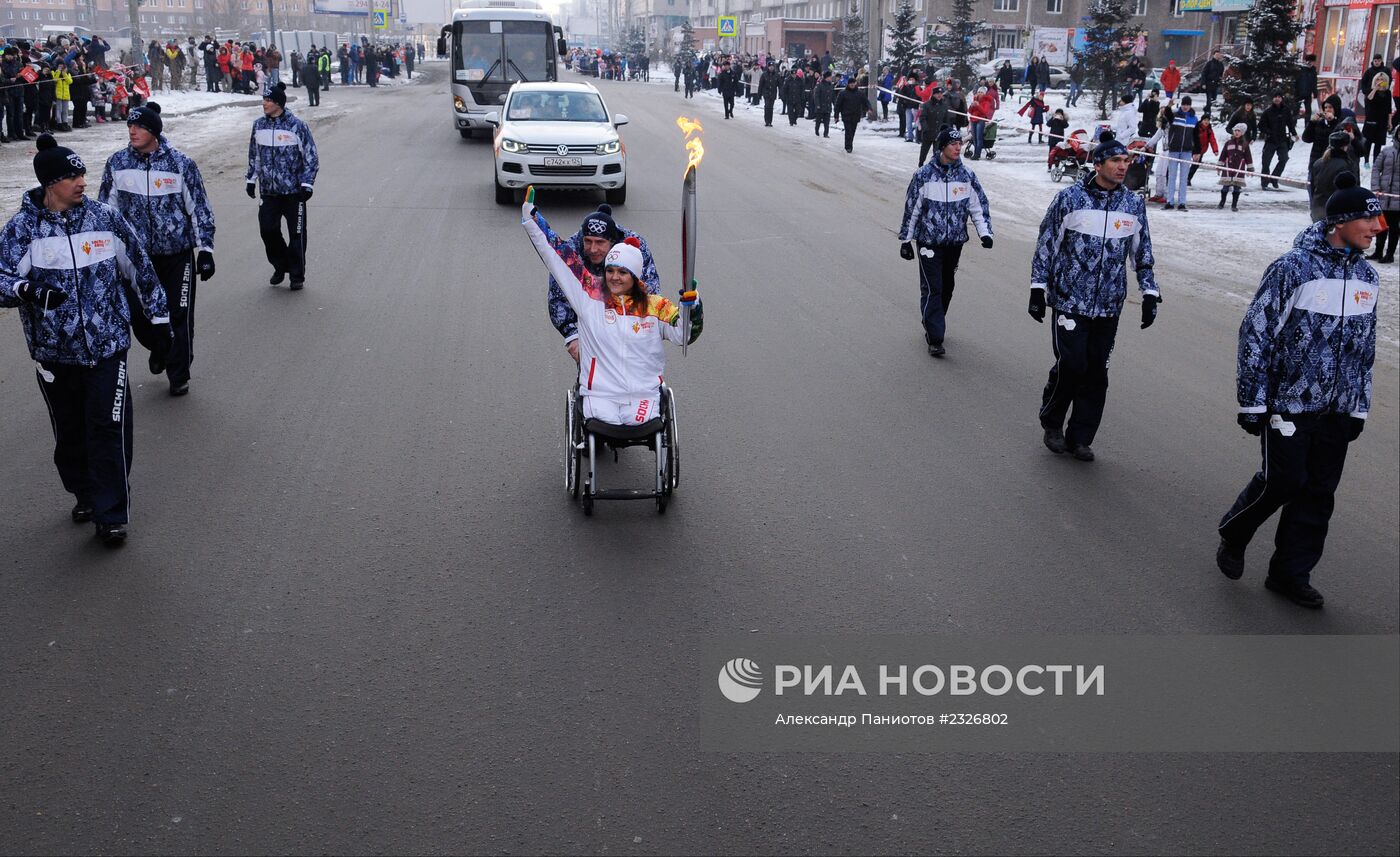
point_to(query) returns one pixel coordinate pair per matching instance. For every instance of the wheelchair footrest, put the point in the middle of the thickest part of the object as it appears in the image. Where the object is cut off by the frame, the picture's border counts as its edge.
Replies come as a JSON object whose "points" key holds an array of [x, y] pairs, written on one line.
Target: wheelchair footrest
{"points": [[625, 494]]}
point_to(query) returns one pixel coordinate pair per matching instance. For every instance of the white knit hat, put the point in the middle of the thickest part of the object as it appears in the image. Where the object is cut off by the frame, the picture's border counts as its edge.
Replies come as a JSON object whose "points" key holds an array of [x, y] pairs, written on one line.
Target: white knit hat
{"points": [[626, 255], [1239, 127]]}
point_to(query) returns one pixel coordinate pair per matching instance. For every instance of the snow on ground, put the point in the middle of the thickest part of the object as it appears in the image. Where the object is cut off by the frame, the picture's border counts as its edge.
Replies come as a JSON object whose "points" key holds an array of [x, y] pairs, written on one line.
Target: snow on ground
{"points": [[1208, 252], [212, 127]]}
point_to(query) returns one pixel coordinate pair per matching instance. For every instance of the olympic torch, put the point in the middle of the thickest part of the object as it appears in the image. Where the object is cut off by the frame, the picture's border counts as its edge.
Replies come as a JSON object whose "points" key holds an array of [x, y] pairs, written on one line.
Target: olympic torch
{"points": [[690, 221]]}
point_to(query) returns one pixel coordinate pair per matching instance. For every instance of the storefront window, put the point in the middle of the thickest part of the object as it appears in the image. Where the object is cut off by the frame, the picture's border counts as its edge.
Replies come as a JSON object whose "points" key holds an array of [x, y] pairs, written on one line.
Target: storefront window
{"points": [[1383, 39], [1332, 36]]}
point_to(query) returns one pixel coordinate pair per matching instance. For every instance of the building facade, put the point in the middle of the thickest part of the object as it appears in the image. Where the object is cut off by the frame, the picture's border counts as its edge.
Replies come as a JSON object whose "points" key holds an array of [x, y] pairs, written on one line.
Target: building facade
{"points": [[1345, 35]]}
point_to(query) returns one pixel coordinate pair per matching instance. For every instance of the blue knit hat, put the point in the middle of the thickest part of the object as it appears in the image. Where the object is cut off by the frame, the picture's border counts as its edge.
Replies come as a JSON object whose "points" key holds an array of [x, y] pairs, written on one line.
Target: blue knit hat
{"points": [[1108, 147]]}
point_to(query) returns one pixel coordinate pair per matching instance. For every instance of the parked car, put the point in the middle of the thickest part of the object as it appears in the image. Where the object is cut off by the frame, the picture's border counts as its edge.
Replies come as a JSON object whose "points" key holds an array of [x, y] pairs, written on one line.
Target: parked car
{"points": [[558, 135]]}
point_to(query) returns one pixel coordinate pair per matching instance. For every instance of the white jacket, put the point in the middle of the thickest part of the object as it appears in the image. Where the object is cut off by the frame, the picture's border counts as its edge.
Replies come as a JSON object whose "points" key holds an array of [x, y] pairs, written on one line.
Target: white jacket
{"points": [[1124, 123], [621, 358]]}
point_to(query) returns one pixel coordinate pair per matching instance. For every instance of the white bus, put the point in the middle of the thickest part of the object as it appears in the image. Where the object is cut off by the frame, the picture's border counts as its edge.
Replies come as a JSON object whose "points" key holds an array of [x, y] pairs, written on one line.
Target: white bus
{"points": [[493, 44]]}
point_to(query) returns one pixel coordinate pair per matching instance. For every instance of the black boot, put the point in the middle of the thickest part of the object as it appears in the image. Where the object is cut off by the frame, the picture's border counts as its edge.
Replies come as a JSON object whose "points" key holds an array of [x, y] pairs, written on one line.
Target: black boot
{"points": [[1230, 559]]}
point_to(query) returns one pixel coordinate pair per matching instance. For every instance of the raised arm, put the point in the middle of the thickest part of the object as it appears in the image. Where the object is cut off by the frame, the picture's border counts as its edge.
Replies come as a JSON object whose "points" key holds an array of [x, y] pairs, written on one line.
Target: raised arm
{"points": [[558, 255]]}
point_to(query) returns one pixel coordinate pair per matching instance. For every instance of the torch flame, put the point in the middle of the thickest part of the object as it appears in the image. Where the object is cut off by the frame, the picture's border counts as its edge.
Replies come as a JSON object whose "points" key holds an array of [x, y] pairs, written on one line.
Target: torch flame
{"points": [[695, 150], [695, 153], [688, 126]]}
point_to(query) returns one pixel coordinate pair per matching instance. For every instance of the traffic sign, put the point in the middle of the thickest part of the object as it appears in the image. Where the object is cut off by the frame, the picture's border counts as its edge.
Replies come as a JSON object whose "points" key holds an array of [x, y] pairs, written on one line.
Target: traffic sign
{"points": [[728, 26], [381, 19]]}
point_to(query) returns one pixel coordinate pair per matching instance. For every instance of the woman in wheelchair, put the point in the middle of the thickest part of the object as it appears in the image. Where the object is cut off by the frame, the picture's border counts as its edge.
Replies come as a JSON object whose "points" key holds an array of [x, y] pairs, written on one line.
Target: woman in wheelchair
{"points": [[621, 327]]}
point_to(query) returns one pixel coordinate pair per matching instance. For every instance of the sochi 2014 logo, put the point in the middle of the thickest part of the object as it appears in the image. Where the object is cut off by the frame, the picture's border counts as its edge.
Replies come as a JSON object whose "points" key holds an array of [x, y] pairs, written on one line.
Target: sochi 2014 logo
{"points": [[740, 680]]}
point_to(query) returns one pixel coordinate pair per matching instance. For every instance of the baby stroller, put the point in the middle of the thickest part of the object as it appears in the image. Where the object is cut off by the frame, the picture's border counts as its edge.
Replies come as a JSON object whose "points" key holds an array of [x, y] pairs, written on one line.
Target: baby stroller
{"points": [[1138, 170], [1070, 156], [989, 139]]}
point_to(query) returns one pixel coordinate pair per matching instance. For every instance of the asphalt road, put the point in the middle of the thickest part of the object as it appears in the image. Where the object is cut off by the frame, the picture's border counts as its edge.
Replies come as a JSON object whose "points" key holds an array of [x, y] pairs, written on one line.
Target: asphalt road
{"points": [[358, 614]]}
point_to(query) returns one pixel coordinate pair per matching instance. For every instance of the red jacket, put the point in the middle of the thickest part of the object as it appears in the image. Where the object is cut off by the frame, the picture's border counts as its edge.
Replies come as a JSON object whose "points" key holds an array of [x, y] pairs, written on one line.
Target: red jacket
{"points": [[983, 107], [1205, 137], [1171, 78]]}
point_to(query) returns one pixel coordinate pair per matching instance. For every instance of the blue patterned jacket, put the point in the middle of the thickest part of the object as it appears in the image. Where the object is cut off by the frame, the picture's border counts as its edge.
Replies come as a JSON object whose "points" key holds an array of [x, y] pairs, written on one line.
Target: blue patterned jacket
{"points": [[162, 196], [282, 155], [88, 252], [1308, 339], [562, 316], [938, 203], [1086, 240]]}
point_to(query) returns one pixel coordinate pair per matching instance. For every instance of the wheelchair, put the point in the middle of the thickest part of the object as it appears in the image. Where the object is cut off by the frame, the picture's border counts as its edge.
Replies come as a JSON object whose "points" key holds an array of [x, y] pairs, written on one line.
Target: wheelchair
{"points": [[584, 439]]}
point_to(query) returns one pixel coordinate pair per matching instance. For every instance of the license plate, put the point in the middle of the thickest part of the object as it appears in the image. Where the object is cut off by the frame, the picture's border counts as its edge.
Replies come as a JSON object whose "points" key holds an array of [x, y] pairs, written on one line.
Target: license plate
{"points": [[563, 162]]}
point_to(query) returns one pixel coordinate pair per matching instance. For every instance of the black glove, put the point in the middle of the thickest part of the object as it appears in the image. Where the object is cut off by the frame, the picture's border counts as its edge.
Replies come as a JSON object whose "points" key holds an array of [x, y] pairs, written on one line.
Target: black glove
{"points": [[1251, 423], [1037, 306], [906, 250], [252, 190], [987, 241], [43, 297], [305, 192], [161, 339], [204, 264], [1357, 424], [1149, 310]]}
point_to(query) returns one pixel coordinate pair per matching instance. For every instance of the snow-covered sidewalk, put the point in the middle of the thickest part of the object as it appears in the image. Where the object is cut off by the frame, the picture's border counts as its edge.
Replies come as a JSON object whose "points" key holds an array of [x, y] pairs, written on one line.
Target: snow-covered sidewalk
{"points": [[1209, 252]]}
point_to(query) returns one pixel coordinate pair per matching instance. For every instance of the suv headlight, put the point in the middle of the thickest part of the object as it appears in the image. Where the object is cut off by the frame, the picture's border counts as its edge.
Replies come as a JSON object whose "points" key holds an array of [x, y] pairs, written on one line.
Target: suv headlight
{"points": [[611, 148], [459, 104], [510, 145]]}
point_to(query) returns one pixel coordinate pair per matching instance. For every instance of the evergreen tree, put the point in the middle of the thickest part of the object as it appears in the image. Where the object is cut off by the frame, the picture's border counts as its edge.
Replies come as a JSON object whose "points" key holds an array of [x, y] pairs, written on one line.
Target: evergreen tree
{"points": [[1270, 65], [855, 39], [904, 50], [686, 53], [636, 43], [958, 41], [1108, 45]]}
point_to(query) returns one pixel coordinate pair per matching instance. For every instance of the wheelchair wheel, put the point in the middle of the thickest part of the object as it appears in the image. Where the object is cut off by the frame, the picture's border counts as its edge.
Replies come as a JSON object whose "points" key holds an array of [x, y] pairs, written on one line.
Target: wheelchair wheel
{"points": [[671, 437], [573, 458]]}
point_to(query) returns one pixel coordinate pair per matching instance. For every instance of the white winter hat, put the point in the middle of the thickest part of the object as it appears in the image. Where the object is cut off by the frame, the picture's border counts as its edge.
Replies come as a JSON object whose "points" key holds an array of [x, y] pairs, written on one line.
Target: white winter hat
{"points": [[627, 255], [1239, 128]]}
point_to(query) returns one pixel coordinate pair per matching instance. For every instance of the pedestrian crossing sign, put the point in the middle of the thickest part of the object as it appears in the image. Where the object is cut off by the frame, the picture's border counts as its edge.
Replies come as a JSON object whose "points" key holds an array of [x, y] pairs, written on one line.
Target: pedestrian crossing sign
{"points": [[381, 19], [728, 26]]}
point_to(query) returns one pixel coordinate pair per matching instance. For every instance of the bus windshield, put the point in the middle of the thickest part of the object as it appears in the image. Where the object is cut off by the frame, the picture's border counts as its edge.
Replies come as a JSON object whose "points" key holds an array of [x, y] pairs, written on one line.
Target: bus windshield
{"points": [[502, 51]]}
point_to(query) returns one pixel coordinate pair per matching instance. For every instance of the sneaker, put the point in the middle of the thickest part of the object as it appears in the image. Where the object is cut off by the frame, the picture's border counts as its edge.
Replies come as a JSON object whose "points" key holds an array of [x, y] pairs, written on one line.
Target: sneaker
{"points": [[1081, 452], [1181, 207], [1055, 441], [1168, 207], [1156, 200], [1230, 559], [82, 512], [112, 535], [1299, 593], [936, 349], [156, 365], [179, 389], [277, 277], [297, 284]]}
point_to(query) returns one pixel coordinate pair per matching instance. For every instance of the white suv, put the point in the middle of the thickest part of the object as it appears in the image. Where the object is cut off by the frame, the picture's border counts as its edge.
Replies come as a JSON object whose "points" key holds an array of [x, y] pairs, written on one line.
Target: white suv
{"points": [[558, 135]]}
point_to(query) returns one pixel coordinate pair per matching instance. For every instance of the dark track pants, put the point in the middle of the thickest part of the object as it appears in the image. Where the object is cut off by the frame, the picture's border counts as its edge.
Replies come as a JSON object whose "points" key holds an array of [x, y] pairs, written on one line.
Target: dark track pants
{"points": [[176, 275], [820, 123], [937, 265], [850, 129], [287, 254], [1078, 382], [767, 111], [90, 411], [1300, 475]]}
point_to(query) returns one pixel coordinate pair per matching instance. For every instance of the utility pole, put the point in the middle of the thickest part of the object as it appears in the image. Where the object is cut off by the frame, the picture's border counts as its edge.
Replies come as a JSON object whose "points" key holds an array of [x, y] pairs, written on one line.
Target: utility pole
{"points": [[271, 26], [137, 49], [876, 41]]}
